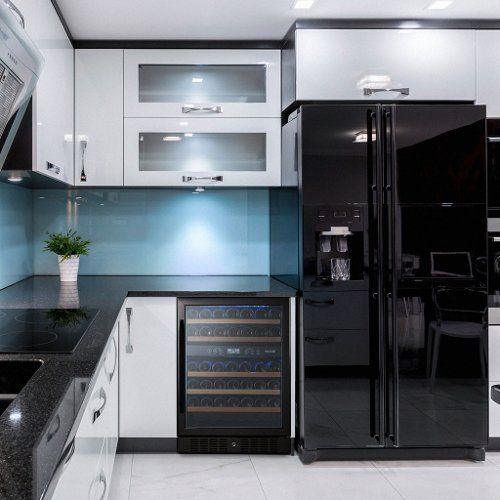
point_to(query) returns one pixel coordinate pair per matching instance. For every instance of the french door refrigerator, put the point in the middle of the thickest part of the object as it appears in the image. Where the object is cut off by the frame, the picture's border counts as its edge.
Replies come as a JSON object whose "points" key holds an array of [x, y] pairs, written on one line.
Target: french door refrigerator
{"points": [[234, 375], [392, 267]]}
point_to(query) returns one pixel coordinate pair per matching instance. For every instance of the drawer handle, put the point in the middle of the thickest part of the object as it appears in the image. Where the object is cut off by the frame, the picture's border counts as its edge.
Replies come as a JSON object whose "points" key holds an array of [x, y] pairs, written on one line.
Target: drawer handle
{"points": [[100, 479], [188, 108], [328, 302], [215, 178], [403, 91], [129, 348], [68, 452], [320, 340], [115, 353], [98, 412]]}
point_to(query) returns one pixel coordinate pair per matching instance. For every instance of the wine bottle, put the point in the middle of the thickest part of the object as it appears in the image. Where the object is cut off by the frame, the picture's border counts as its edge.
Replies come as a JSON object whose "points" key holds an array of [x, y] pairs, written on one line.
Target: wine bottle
{"points": [[205, 366], [206, 384], [219, 384]]}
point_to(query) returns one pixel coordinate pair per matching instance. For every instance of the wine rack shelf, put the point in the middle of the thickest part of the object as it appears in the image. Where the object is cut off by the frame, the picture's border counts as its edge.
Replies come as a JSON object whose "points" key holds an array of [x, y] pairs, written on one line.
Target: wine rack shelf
{"points": [[252, 340], [233, 409], [233, 321], [235, 374], [246, 392]]}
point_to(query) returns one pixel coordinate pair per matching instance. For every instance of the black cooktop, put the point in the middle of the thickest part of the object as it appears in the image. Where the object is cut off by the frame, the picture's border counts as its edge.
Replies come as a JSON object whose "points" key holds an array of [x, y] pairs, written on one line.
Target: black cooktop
{"points": [[43, 330]]}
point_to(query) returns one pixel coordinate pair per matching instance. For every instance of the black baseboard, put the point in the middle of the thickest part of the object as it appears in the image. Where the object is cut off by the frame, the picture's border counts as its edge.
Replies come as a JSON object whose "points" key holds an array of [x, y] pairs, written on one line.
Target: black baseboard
{"points": [[309, 456], [493, 444], [147, 445]]}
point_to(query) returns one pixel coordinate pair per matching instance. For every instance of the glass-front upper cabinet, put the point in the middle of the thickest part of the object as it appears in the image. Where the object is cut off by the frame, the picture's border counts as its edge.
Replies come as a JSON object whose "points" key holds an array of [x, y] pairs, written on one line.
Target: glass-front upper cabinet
{"points": [[208, 83], [202, 152]]}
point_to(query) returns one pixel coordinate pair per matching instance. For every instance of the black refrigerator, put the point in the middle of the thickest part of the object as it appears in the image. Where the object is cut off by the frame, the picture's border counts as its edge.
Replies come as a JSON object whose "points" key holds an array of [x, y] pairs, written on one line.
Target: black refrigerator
{"points": [[383, 229]]}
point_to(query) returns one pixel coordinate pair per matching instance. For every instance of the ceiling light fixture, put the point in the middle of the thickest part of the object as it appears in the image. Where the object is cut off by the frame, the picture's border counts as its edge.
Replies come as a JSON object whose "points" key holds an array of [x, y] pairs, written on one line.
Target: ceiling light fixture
{"points": [[439, 4], [197, 80], [303, 4], [188, 134]]}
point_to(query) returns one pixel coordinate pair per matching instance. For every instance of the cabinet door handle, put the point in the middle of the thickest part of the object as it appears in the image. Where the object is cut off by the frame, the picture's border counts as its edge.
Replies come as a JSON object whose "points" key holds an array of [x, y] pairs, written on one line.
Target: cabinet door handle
{"points": [[16, 12], [115, 354], [403, 91], [83, 145], [188, 108], [100, 479], [320, 340], [328, 302], [215, 178], [98, 412], [129, 348]]}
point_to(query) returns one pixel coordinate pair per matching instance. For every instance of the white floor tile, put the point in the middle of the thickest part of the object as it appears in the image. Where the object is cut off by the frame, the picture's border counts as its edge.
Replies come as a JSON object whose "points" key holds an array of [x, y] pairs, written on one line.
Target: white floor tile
{"points": [[120, 480], [493, 457], [286, 477], [204, 477], [461, 481]]}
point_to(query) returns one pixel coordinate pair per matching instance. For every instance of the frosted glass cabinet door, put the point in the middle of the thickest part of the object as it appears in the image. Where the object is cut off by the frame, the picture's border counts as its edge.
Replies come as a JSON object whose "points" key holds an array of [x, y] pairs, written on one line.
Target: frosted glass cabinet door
{"points": [[202, 151], [207, 83]]}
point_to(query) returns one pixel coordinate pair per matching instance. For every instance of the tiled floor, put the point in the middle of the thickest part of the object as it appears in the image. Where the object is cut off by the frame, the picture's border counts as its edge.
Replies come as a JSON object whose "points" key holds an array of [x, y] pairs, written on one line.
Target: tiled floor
{"points": [[242, 477]]}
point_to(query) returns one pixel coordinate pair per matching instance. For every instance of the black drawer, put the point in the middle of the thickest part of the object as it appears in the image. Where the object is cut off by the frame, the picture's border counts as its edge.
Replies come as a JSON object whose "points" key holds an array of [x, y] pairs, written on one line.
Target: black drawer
{"points": [[336, 311], [336, 348]]}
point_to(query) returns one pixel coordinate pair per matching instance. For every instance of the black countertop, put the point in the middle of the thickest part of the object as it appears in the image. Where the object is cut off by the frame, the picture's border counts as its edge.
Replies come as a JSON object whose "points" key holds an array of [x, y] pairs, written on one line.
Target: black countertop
{"points": [[36, 426]]}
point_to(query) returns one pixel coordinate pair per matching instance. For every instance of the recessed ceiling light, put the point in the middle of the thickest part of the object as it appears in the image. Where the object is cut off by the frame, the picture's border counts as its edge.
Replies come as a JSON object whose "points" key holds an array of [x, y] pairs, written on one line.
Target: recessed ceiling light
{"points": [[197, 80], [439, 4], [303, 4], [183, 124], [172, 138]]}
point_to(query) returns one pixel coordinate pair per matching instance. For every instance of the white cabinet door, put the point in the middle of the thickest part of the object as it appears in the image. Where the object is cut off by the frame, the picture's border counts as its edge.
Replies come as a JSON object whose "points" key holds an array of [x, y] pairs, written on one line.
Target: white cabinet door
{"points": [[494, 352], [340, 64], [99, 117], [215, 83], [488, 71], [148, 368], [202, 151], [494, 414], [53, 98]]}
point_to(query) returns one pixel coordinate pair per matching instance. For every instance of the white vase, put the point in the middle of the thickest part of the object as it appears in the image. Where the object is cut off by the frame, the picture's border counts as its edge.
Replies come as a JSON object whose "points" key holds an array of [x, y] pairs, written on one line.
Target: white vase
{"points": [[68, 295], [68, 267]]}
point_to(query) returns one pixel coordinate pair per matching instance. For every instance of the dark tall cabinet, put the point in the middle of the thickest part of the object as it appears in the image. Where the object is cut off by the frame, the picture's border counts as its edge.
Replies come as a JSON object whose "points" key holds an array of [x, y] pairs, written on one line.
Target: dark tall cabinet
{"points": [[392, 351]]}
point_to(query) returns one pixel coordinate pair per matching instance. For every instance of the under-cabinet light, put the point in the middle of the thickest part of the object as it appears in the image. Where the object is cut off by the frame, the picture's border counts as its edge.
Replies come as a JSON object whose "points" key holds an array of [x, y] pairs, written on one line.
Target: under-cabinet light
{"points": [[15, 178], [172, 138]]}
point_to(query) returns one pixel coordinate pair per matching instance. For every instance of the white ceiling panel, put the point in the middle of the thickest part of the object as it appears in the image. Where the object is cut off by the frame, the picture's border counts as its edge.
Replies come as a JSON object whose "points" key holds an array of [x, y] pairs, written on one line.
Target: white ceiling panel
{"points": [[240, 19]]}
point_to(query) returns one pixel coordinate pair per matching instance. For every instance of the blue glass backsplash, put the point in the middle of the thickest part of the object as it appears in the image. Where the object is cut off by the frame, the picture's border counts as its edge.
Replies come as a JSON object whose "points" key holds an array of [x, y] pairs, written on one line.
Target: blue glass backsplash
{"points": [[16, 234], [158, 231]]}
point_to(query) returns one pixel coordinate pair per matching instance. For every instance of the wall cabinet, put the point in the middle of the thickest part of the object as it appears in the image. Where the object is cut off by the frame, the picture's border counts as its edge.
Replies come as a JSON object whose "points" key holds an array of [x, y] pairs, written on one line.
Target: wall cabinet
{"points": [[202, 151], [488, 71], [53, 98], [365, 64], [148, 368], [99, 117], [214, 83], [85, 468]]}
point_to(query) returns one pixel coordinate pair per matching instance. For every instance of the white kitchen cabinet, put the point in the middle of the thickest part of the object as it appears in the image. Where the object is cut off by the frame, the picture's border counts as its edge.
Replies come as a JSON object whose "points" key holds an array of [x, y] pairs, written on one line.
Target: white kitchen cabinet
{"points": [[494, 414], [488, 71], [352, 64], [148, 368], [202, 151], [53, 99], [86, 466], [99, 117], [208, 83], [494, 352]]}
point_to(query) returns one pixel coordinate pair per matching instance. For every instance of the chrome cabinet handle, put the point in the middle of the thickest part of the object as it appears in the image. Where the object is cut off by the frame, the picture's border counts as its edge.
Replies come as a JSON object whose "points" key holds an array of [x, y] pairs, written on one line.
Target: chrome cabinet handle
{"points": [[215, 178], [53, 168], [129, 348], [112, 373], [98, 412], [100, 479], [83, 175], [188, 108], [68, 452], [402, 91]]}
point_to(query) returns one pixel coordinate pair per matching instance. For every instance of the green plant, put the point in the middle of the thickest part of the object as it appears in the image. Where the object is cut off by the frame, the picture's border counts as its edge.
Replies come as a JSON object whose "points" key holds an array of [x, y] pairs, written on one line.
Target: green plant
{"points": [[66, 244], [66, 317]]}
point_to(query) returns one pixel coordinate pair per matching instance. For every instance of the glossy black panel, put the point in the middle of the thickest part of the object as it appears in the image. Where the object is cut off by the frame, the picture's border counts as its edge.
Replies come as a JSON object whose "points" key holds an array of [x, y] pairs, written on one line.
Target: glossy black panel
{"points": [[494, 163], [441, 153], [335, 152]]}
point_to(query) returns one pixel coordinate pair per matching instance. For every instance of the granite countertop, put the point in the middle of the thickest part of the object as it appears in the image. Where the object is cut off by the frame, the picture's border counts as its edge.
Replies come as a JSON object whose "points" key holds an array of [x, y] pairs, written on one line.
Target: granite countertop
{"points": [[37, 425]]}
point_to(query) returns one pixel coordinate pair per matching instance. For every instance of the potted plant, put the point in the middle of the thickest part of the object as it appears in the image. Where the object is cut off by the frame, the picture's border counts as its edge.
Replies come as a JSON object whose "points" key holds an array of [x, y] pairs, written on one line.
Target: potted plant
{"points": [[68, 247]]}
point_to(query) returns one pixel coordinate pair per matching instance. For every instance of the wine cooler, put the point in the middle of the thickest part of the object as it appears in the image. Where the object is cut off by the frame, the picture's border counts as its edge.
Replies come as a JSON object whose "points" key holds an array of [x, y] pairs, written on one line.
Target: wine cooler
{"points": [[234, 376]]}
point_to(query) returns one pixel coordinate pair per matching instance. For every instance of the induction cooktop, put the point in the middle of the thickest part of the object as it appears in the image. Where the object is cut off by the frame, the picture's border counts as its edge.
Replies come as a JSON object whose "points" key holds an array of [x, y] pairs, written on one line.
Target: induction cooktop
{"points": [[43, 330]]}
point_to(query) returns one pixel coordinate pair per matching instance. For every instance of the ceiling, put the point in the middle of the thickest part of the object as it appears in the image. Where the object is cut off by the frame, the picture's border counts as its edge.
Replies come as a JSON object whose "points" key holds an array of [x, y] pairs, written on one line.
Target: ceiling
{"points": [[240, 19]]}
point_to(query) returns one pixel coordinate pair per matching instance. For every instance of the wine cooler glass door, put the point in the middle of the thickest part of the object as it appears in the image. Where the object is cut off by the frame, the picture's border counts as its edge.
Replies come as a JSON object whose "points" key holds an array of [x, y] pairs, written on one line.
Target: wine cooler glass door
{"points": [[234, 358]]}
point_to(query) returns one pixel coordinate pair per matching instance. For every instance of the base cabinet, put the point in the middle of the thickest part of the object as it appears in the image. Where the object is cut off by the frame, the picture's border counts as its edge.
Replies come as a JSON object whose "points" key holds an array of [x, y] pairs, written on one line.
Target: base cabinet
{"points": [[148, 368], [86, 465]]}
